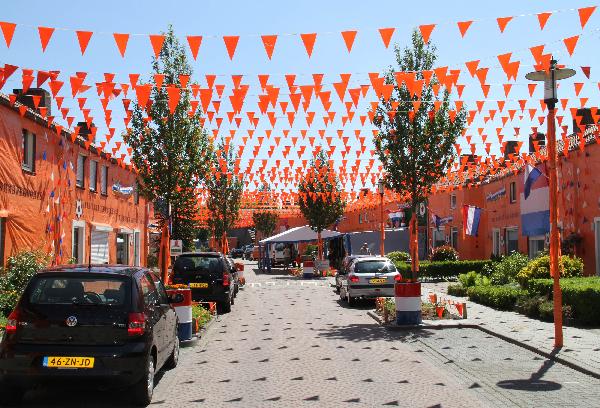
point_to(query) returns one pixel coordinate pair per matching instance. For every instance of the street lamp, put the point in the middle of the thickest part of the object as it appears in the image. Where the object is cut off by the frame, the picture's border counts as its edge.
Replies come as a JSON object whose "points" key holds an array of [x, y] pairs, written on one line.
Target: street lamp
{"points": [[381, 190], [550, 77]]}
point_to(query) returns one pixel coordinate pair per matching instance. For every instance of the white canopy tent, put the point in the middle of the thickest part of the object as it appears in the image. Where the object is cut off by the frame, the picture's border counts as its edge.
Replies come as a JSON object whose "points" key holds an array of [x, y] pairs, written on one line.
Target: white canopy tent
{"points": [[300, 234]]}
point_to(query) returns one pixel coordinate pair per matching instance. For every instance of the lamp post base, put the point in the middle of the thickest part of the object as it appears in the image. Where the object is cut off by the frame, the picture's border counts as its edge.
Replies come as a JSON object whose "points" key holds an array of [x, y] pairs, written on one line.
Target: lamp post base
{"points": [[408, 303]]}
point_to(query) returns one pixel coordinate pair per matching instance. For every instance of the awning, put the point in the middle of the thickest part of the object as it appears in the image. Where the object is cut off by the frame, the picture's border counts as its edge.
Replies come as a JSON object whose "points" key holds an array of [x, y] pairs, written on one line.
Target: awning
{"points": [[101, 227], [300, 234]]}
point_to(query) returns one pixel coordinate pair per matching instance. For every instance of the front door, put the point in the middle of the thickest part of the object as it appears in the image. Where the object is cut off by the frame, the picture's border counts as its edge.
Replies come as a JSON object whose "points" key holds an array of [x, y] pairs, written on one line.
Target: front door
{"points": [[597, 239], [123, 249]]}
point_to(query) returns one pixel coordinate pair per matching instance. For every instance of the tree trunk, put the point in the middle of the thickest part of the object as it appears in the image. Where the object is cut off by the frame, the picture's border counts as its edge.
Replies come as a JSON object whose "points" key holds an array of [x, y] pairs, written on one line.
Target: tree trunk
{"points": [[414, 245], [320, 245]]}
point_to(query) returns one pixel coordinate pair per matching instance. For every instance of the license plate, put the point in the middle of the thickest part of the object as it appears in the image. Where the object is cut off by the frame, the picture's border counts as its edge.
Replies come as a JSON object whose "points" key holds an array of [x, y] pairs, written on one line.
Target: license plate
{"points": [[69, 362], [378, 280], [197, 285]]}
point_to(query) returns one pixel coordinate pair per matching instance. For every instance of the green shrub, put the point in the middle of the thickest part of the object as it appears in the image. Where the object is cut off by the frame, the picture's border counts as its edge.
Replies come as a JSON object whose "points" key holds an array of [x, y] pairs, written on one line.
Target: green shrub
{"points": [[443, 253], [19, 270], [202, 314], [310, 249], [498, 297], [456, 289], [399, 256], [507, 269], [529, 306], [472, 279], [546, 311], [581, 295], [442, 270], [539, 268]]}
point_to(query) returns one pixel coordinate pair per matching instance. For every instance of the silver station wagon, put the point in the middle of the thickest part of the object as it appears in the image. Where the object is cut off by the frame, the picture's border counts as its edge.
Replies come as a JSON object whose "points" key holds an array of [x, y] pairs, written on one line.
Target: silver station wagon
{"points": [[369, 277]]}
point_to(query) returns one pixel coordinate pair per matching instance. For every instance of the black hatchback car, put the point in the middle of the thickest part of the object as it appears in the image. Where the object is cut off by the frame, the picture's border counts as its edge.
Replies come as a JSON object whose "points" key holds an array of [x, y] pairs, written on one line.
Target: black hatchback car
{"points": [[210, 277], [111, 325]]}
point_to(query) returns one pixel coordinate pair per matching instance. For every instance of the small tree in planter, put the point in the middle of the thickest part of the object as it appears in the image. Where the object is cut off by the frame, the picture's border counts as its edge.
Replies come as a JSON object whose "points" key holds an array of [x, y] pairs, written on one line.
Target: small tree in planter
{"points": [[418, 127], [444, 253]]}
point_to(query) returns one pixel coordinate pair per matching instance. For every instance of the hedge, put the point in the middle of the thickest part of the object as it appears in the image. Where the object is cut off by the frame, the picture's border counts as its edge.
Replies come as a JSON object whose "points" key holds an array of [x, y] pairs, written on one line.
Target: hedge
{"points": [[443, 270], [498, 297], [582, 294]]}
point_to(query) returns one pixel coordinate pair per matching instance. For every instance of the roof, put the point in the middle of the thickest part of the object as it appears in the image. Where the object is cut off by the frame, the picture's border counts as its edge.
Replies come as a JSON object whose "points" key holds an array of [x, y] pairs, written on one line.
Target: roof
{"points": [[300, 234], [125, 270]]}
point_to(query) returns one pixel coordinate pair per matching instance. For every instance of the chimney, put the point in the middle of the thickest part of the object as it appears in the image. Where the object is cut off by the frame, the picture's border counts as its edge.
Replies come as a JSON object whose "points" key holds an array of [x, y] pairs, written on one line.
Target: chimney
{"points": [[511, 148], [538, 137], [27, 100], [84, 131], [583, 118]]}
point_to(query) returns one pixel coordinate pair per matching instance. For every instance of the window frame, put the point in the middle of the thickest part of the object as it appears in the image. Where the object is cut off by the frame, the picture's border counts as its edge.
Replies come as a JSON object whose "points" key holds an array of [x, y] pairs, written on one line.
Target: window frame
{"points": [[452, 201], [104, 174], [506, 232], [512, 192], [80, 183], [94, 181], [29, 142]]}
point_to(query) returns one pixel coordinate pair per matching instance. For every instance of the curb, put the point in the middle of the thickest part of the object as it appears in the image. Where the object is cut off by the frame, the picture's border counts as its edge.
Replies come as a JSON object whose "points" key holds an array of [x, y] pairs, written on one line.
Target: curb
{"points": [[550, 356]]}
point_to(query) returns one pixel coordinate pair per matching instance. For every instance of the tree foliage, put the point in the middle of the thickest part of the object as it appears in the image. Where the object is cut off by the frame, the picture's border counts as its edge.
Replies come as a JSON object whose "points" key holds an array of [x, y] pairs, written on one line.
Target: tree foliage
{"points": [[320, 199], [225, 187], [170, 151], [265, 222], [418, 125]]}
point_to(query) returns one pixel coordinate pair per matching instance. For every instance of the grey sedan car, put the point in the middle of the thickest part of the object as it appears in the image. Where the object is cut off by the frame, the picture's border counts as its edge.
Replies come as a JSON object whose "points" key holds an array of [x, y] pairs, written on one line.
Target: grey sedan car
{"points": [[369, 277]]}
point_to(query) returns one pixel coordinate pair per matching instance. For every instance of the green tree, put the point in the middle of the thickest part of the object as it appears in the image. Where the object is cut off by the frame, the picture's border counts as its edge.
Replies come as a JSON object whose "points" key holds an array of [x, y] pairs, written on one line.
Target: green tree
{"points": [[418, 125], [170, 150], [320, 198], [225, 188], [265, 222]]}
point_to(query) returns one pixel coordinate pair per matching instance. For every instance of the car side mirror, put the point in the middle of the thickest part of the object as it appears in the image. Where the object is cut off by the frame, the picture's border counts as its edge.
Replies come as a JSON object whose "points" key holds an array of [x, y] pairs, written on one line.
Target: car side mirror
{"points": [[176, 298]]}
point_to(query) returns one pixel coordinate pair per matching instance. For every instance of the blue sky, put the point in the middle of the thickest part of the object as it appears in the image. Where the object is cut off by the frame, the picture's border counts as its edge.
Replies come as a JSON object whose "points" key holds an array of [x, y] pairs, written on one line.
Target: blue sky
{"points": [[212, 19]]}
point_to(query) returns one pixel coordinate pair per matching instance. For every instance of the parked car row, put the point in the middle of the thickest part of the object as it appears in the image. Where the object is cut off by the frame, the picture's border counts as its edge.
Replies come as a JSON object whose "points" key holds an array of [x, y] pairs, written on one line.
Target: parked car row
{"points": [[367, 277], [109, 325]]}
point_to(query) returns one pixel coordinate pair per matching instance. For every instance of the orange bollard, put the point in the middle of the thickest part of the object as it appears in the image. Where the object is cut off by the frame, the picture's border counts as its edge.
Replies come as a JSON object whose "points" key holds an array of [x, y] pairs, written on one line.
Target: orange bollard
{"points": [[440, 311], [433, 298]]}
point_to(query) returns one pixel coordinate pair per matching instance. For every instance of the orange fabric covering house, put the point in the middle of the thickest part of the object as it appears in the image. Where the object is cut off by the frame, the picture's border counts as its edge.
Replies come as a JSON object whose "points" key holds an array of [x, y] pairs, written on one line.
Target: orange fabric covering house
{"points": [[66, 199]]}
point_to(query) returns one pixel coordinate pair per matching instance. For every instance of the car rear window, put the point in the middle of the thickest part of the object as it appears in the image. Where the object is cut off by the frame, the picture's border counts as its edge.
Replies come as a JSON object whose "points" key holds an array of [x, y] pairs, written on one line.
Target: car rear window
{"points": [[78, 290], [198, 264], [374, 267]]}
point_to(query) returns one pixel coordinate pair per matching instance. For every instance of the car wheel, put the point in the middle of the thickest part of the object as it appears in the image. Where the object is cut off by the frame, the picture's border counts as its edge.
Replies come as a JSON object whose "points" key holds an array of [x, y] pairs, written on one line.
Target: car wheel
{"points": [[174, 357], [351, 299], [225, 307], [10, 395], [342, 297], [142, 391]]}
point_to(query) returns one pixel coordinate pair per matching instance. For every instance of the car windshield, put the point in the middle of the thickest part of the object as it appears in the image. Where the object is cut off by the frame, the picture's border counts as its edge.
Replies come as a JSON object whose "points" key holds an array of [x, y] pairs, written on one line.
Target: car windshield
{"points": [[197, 264], [78, 290], [374, 267]]}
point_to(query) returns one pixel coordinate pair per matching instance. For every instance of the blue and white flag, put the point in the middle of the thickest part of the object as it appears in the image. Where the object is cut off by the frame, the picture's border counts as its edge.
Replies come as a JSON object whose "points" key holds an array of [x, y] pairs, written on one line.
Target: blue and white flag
{"points": [[535, 203], [531, 175], [471, 217]]}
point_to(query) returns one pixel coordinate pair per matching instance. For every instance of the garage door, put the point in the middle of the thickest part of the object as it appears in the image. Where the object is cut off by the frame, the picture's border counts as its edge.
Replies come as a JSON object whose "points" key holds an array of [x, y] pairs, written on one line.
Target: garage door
{"points": [[99, 249]]}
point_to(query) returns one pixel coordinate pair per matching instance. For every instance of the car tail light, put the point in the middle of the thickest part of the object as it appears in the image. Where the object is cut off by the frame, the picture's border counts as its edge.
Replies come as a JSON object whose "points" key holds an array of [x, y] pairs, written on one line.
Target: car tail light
{"points": [[398, 278], [136, 324], [225, 279], [12, 322], [353, 278]]}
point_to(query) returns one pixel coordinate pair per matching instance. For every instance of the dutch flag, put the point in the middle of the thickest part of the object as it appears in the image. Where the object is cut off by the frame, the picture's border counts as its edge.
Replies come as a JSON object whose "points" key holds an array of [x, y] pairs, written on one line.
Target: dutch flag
{"points": [[471, 217]]}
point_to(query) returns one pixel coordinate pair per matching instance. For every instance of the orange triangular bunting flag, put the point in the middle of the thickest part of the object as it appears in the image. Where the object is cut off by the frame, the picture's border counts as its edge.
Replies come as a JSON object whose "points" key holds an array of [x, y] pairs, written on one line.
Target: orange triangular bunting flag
{"points": [[121, 40], [45, 35], [349, 37], [157, 41], [84, 38], [426, 30], [231, 42], [543, 19], [570, 43], [269, 42], [502, 22], [194, 42], [463, 26], [8, 30], [584, 14], [386, 35], [309, 42]]}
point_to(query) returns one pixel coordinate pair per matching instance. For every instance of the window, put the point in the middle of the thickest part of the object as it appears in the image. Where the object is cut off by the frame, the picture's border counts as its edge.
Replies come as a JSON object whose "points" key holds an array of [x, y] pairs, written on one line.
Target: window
{"points": [[537, 245], [136, 193], [79, 290], [80, 181], [360, 218], [148, 290], [512, 240], [454, 237], [123, 249], [439, 237], [452, 201], [93, 171], [28, 151], [496, 242], [104, 180], [136, 248], [512, 192], [78, 242]]}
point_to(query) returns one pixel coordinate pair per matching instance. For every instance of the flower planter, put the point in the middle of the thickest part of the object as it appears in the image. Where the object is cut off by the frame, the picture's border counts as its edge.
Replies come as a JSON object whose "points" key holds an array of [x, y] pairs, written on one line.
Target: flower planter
{"points": [[184, 313], [408, 303]]}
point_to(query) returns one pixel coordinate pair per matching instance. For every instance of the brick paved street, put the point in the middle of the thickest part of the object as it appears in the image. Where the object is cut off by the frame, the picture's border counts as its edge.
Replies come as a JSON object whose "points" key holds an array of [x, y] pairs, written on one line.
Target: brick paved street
{"points": [[290, 343]]}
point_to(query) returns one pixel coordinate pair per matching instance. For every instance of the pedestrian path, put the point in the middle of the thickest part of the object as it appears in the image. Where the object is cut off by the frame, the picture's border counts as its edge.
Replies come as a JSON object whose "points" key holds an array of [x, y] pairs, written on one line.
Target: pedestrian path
{"points": [[581, 346]]}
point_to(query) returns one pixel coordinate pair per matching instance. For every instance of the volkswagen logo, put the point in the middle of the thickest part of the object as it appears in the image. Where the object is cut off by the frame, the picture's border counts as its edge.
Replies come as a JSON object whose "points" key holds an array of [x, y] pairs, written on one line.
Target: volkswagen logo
{"points": [[71, 321]]}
